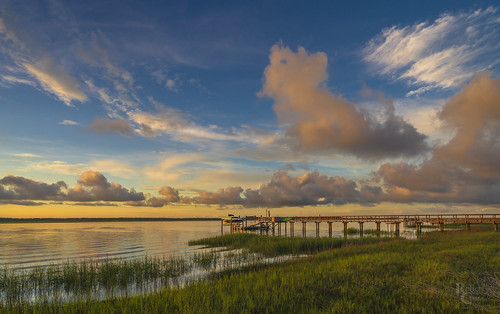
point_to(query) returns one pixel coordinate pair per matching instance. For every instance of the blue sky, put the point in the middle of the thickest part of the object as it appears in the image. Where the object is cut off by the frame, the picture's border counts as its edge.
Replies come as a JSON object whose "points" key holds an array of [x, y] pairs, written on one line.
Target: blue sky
{"points": [[165, 105]]}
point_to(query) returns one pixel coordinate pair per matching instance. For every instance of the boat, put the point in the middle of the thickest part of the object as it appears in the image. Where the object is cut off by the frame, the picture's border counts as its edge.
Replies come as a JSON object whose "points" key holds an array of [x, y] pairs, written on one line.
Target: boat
{"points": [[232, 220]]}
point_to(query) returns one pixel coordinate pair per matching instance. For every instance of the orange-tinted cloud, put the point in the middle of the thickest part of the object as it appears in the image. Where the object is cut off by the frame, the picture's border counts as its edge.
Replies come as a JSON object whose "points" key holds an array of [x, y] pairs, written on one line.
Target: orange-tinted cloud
{"points": [[118, 126], [322, 121], [92, 187], [467, 168]]}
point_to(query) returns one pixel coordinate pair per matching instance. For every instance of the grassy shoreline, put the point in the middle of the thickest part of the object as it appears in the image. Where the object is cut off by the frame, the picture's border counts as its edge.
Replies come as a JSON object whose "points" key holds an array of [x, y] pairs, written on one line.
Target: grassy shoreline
{"points": [[454, 271]]}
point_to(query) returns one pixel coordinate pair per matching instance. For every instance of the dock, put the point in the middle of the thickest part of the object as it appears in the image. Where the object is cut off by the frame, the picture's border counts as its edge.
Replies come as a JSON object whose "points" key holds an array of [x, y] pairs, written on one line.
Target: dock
{"points": [[275, 224]]}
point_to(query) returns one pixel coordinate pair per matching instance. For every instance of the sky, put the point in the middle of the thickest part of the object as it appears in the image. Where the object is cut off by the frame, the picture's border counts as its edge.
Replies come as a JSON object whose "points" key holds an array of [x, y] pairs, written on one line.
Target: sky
{"points": [[205, 108]]}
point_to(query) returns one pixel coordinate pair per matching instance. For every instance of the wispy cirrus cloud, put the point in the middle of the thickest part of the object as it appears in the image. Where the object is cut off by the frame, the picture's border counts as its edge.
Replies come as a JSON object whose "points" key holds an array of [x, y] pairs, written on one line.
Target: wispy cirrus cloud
{"points": [[34, 66], [443, 53]]}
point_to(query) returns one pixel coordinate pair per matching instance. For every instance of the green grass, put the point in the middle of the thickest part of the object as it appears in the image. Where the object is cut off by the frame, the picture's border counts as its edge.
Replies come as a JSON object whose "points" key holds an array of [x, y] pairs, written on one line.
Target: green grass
{"points": [[276, 246], [394, 275], [87, 278], [455, 225]]}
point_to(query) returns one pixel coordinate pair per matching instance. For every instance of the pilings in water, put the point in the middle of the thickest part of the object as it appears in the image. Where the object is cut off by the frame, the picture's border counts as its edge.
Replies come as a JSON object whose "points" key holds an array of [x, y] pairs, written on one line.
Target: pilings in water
{"points": [[418, 226], [273, 225], [495, 226], [441, 226], [317, 228], [291, 227], [467, 226], [378, 228], [304, 229], [397, 228], [279, 229], [345, 228], [360, 228], [329, 229]]}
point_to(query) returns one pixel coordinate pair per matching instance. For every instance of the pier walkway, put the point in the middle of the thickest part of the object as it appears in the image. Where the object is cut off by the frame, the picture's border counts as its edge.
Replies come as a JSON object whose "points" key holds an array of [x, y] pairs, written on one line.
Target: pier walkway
{"points": [[273, 223]]}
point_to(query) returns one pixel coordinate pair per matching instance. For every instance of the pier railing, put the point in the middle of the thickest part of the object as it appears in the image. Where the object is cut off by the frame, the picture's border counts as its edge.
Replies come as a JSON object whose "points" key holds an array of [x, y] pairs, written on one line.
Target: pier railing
{"points": [[410, 219]]}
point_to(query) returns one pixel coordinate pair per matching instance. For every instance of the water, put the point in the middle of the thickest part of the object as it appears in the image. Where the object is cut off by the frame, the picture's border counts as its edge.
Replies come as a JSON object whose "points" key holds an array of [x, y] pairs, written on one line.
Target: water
{"points": [[26, 245]]}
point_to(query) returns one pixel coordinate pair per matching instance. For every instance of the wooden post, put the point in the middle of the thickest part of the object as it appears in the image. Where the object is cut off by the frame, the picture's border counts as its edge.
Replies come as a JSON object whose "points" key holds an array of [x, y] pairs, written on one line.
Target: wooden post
{"points": [[329, 229], [232, 227], [495, 226], [291, 228], [304, 229], [286, 223], [441, 226], [360, 228], [345, 229], [267, 228], [279, 229], [397, 228], [273, 225], [221, 226], [317, 228], [467, 226]]}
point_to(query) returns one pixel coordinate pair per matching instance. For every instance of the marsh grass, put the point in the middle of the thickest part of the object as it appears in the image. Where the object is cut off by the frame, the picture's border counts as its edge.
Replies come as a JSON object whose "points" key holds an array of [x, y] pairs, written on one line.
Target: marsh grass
{"points": [[453, 271], [277, 246], [87, 279]]}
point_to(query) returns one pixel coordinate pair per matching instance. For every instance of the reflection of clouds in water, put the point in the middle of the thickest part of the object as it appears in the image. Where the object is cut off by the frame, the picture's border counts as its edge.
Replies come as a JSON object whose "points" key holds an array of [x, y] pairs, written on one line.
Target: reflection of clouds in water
{"points": [[47, 243]]}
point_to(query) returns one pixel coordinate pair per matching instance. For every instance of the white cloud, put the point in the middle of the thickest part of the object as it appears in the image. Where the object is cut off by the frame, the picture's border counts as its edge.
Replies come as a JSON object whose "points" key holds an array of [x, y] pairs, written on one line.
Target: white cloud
{"points": [[27, 155], [168, 171], [113, 167], [440, 54], [69, 122], [16, 80], [58, 166]]}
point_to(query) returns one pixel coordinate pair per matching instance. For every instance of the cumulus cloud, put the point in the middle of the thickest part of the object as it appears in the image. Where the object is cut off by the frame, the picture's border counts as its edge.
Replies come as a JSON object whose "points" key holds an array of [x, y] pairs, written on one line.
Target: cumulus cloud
{"points": [[20, 188], [118, 126], [443, 53], [311, 188], [467, 168], [169, 195], [322, 121], [92, 187]]}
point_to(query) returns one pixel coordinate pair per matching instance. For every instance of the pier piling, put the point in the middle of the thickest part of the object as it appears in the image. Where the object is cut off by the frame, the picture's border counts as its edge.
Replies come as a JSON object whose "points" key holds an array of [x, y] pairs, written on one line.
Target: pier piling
{"points": [[330, 229], [291, 228], [345, 229], [304, 229], [317, 228], [360, 228]]}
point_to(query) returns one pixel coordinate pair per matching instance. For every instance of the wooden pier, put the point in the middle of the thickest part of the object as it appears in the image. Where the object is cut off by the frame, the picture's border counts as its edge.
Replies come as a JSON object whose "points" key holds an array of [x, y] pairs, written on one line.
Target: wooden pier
{"points": [[417, 220]]}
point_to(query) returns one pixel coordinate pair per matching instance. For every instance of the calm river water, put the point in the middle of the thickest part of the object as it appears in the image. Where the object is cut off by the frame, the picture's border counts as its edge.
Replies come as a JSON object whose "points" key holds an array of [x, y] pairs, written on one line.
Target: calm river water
{"points": [[26, 245]]}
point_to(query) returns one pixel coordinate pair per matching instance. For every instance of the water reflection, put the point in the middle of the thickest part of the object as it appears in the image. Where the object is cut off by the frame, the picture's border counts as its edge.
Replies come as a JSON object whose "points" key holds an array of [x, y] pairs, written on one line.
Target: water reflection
{"points": [[43, 244]]}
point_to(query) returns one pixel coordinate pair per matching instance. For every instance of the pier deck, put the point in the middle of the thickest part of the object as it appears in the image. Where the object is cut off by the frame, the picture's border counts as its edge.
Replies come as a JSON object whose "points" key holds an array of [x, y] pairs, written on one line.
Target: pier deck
{"points": [[396, 220]]}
